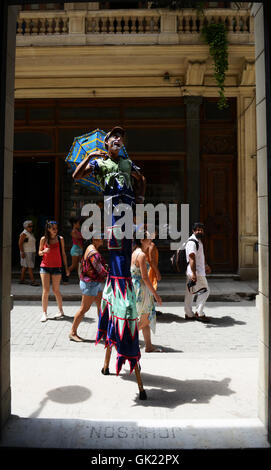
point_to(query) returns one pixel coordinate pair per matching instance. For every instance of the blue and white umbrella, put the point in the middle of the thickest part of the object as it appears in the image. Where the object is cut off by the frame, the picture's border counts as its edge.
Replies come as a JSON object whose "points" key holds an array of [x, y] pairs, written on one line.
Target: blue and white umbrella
{"points": [[81, 147]]}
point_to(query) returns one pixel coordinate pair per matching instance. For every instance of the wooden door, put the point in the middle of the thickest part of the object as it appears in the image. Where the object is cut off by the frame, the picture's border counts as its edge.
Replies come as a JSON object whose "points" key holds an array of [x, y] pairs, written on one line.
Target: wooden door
{"points": [[219, 211]]}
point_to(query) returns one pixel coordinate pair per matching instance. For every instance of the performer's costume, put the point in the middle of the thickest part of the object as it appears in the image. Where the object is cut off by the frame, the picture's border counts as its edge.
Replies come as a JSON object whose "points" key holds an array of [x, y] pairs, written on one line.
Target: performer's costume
{"points": [[118, 322]]}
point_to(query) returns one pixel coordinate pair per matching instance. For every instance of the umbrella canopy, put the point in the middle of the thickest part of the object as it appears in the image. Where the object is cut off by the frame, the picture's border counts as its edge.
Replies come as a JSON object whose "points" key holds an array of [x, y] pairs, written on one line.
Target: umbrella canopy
{"points": [[81, 147]]}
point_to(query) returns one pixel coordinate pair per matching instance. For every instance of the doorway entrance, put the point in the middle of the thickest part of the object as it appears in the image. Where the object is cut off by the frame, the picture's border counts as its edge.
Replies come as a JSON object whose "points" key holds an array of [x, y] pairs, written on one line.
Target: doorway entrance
{"points": [[33, 197]]}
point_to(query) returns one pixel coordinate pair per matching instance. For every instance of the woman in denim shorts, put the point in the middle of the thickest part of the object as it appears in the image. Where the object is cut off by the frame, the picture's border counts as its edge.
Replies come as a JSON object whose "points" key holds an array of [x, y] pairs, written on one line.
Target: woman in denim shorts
{"points": [[77, 243], [51, 266], [93, 272]]}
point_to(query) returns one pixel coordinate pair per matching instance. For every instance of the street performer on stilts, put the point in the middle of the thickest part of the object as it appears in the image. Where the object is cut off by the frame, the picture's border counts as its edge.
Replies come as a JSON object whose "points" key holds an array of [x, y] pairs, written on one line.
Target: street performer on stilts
{"points": [[121, 183]]}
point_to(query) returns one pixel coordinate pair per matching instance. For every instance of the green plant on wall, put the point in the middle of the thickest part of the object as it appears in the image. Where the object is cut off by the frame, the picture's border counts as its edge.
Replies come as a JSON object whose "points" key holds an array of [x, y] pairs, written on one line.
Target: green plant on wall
{"points": [[215, 34]]}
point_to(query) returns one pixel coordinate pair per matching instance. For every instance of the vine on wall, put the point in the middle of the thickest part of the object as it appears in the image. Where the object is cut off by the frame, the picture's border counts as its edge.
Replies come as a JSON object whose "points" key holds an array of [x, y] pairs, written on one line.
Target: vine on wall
{"points": [[215, 34]]}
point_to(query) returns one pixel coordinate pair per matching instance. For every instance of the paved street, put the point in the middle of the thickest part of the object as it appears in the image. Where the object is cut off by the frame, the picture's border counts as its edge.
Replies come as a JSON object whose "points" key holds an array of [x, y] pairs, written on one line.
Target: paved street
{"points": [[233, 330], [202, 390]]}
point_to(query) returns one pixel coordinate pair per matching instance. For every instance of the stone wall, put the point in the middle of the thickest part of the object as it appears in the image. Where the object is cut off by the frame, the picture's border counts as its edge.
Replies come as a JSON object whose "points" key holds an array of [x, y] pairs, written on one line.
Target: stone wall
{"points": [[263, 297], [8, 36]]}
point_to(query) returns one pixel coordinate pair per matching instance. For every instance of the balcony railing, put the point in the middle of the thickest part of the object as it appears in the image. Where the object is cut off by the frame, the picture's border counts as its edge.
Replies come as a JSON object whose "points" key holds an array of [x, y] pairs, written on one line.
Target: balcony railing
{"points": [[129, 26]]}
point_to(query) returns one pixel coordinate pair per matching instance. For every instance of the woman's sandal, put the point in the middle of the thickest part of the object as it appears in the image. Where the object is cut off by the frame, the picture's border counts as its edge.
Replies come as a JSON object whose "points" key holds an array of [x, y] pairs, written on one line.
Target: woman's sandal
{"points": [[155, 350], [75, 338], [105, 371]]}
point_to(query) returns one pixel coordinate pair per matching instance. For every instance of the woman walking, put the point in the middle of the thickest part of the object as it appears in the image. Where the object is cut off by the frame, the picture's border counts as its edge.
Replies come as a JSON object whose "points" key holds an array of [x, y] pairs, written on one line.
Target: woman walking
{"points": [[51, 266], [145, 292], [93, 273], [152, 258], [77, 243]]}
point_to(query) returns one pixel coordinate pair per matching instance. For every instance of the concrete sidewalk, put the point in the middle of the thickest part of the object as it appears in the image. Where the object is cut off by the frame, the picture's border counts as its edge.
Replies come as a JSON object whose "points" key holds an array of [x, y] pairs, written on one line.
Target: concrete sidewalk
{"points": [[202, 390], [171, 290]]}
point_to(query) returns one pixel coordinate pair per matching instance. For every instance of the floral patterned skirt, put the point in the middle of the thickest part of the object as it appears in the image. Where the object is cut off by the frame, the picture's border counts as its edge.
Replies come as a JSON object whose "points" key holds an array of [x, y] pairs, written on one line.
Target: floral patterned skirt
{"points": [[144, 301]]}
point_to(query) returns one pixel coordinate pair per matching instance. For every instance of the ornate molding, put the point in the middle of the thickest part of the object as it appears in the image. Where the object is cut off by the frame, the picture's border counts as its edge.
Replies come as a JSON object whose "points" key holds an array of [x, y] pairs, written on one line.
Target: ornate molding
{"points": [[195, 73], [247, 74], [218, 144]]}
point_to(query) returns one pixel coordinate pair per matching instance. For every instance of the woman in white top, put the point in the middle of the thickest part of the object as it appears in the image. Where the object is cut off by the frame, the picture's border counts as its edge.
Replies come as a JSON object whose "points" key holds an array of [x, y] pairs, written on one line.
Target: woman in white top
{"points": [[27, 246]]}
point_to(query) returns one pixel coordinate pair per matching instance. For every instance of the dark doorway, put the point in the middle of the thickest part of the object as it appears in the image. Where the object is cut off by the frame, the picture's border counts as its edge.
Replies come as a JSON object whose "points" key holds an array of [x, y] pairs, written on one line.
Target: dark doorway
{"points": [[218, 173], [33, 198]]}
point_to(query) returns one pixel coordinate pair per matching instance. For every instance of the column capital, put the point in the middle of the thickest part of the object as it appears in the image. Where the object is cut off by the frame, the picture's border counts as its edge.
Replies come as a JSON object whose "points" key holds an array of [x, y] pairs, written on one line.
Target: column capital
{"points": [[195, 100], [192, 106]]}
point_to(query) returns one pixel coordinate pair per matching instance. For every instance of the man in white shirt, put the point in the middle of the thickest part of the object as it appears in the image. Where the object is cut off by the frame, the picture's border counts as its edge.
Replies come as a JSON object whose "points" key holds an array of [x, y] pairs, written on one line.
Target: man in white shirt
{"points": [[196, 275]]}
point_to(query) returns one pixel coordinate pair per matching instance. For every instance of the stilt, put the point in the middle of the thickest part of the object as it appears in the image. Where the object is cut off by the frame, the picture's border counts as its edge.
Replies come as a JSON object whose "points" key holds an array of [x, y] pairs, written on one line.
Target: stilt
{"points": [[105, 369], [142, 392]]}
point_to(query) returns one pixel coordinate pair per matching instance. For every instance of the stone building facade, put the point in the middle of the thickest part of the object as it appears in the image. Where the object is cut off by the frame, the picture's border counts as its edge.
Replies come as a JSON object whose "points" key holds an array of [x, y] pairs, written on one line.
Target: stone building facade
{"points": [[247, 208], [81, 67]]}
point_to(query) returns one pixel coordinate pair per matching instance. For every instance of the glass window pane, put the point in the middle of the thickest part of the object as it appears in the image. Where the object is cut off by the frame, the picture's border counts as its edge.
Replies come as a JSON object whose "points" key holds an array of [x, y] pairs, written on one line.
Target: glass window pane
{"points": [[66, 136], [33, 141], [19, 114], [213, 113], [41, 114], [165, 180], [156, 140], [155, 112], [165, 184], [89, 113]]}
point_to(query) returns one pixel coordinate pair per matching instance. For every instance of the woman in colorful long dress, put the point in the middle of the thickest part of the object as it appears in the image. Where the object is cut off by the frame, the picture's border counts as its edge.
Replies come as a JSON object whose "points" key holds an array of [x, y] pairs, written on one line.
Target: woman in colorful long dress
{"points": [[118, 314], [145, 292]]}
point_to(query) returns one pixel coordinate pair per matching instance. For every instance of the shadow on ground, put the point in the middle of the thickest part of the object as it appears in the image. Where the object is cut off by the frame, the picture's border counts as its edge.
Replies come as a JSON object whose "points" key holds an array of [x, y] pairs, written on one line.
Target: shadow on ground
{"points": [[214, 321], [167, 392]]}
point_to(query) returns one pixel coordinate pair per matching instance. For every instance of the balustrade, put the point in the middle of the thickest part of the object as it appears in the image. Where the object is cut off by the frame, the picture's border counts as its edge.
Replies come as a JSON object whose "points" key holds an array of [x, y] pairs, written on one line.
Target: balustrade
{"points": [[133, 22]]}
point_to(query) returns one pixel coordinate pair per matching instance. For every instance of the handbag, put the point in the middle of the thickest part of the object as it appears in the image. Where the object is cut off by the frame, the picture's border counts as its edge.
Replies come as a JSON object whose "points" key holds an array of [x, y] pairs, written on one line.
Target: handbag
{"points": [[64, 276]]}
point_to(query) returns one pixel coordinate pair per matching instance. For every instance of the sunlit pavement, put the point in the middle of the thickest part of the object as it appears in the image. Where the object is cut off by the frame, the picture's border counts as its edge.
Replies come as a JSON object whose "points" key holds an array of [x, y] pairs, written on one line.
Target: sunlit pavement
{"points": [[202, 390]]}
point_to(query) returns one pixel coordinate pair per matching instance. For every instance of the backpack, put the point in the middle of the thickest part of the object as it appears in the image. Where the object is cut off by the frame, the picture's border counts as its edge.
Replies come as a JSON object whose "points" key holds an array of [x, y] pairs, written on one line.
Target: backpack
{"points": [[178, 259]]}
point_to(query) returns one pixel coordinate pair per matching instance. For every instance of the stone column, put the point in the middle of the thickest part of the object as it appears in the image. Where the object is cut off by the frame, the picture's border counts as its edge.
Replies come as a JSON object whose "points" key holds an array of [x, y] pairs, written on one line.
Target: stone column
{"points": [[247, 186], [7, 67], [193, 156], [262, 26]]}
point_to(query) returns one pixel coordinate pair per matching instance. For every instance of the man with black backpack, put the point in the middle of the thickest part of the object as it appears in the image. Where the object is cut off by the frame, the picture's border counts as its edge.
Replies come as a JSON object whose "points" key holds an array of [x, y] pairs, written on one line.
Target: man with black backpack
{"points": [[196, 275]]}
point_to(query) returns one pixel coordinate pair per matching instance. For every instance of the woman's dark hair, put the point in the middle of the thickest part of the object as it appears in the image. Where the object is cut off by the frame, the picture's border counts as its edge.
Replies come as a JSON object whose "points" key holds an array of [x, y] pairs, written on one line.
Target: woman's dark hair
{"points": [[48, 224], [86, 243], [137, 241], [74, 220]]}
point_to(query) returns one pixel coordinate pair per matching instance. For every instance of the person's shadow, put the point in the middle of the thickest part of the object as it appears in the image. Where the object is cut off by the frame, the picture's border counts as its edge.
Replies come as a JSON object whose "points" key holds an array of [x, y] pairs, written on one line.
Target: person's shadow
{"points": [[165, 349], [223, 322], [169, 318], [168, 392], [213, 321]]}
